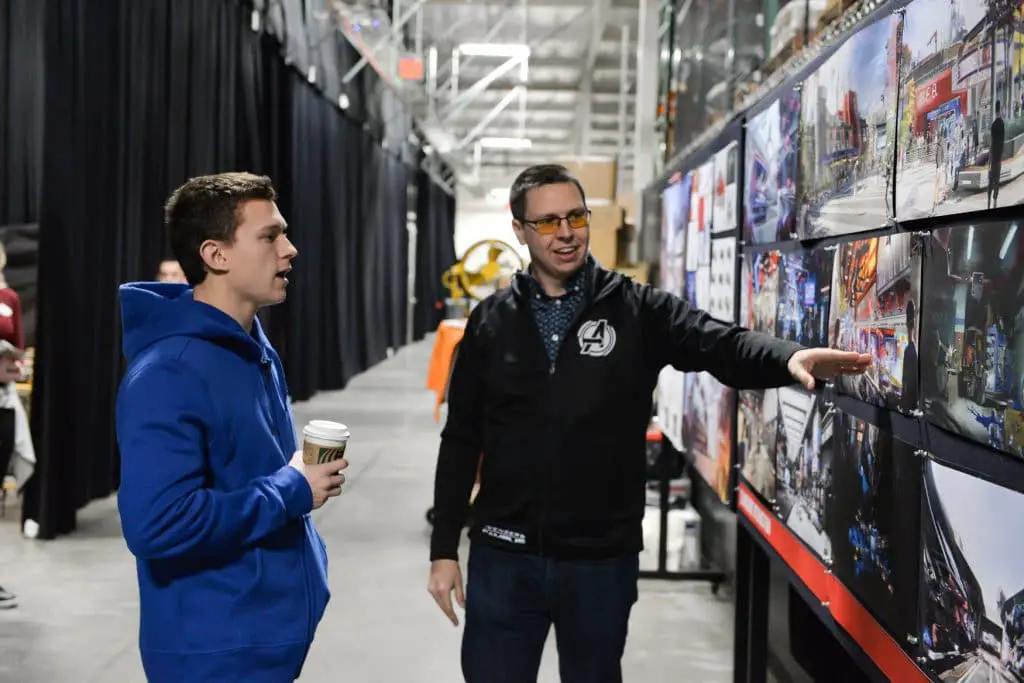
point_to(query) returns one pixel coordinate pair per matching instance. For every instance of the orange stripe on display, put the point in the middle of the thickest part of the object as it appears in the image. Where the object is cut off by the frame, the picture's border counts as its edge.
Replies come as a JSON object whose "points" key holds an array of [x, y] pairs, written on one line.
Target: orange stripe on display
{"points": [[872, 638], [845, 609], [793, 552]]}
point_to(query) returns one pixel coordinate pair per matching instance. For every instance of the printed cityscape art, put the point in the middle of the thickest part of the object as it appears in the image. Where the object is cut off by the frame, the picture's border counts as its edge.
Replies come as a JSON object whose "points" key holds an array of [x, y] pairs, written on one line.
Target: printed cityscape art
{"points": [[972, 610], [724, 214], [698, 237], [875, 309], [722, 303], [770, 171], [803, 466], [805, 287], [972, 341], [757, 430], [707, 429], [759, 296], [874, 521], [848, 122], [675, 212], [961, 117]]}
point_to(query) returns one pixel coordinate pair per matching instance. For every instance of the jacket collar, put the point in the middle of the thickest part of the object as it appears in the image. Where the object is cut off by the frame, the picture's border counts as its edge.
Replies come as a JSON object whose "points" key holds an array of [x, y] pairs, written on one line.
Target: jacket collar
{"points": [[598, 282]]}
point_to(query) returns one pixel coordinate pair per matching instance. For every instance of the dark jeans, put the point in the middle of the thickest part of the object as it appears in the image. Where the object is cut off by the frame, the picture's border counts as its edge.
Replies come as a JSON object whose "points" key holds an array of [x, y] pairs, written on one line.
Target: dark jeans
{"points": [[513, 599]]}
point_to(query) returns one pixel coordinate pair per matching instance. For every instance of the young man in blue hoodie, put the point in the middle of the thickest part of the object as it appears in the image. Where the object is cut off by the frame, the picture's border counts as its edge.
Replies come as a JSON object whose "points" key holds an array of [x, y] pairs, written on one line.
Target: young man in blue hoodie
{"points": [[214, 497]]}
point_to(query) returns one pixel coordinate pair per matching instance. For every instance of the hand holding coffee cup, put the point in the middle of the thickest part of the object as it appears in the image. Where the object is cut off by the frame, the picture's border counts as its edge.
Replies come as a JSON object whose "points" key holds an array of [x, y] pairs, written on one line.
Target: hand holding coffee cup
{"points": [[321, 459], [324, 480]]}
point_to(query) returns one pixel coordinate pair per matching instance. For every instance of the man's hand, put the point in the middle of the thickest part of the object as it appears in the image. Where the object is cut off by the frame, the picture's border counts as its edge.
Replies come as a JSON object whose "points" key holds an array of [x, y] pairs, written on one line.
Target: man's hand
{"points": [[445, 576], [325, 480], [807, 364]]}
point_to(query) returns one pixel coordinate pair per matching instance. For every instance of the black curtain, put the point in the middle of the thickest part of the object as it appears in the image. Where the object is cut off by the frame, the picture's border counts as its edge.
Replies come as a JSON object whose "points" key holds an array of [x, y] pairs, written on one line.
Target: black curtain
{"points": [[138, 97], [345, 197], [435, 252], [21, 109]]}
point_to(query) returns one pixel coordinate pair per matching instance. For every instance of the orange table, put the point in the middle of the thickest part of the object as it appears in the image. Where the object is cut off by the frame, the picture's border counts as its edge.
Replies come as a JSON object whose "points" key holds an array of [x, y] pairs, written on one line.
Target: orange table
{"points": [[449, 334]]}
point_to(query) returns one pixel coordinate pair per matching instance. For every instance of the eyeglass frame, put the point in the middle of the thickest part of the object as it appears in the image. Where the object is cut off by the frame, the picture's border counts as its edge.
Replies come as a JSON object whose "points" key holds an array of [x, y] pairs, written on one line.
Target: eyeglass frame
{"points": [[560, 219]]}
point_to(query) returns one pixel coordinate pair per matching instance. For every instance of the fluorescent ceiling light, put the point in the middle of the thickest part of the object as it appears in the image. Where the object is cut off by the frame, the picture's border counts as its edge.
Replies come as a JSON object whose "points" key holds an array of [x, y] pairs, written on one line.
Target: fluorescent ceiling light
{"points": [[494, 50], [506, 143]]}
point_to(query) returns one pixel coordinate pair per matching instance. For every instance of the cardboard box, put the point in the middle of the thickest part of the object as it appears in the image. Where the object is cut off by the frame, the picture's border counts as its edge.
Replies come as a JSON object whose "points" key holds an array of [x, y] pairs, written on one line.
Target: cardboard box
{"points": [[604, 245], [605, 224], [599, 177], [641, 272], [610, 217]]}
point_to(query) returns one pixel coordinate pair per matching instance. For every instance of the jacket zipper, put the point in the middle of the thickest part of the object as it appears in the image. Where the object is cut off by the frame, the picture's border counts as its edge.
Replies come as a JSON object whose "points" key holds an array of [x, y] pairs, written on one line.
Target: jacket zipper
{"points": [[552, 365], [268, 382]]}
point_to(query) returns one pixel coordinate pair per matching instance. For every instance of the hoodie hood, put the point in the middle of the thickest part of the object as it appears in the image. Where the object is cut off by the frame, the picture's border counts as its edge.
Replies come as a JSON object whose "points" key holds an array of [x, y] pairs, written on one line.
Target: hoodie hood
{"points": [[153, 311]]}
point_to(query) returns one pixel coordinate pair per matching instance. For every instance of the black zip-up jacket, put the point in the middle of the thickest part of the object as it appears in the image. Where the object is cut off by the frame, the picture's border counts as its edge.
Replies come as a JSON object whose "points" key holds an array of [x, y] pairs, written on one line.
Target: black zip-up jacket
{"points": [[563, 443]]}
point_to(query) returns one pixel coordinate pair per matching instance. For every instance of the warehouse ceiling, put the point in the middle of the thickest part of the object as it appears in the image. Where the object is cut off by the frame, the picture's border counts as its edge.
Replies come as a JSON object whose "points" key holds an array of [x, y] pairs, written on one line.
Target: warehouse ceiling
{"points": [[566, 94], [571, 102]]}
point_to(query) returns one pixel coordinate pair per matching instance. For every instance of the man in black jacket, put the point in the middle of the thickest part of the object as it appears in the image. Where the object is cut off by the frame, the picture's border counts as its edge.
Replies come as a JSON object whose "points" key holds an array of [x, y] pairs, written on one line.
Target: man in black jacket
{"points": [[553, 384]]}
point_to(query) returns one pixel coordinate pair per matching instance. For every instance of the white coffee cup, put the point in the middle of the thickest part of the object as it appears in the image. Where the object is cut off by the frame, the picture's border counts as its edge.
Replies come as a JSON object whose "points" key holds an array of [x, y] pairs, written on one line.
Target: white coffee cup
{"points": [[323, 441]]}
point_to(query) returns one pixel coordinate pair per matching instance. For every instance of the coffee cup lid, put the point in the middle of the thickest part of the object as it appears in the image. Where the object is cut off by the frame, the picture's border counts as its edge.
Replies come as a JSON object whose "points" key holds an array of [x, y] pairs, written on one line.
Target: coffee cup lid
{"points": [[325, 429]]}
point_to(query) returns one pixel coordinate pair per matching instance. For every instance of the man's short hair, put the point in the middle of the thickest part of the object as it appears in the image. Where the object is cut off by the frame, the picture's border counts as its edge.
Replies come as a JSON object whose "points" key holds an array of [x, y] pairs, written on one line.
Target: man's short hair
{"points": [[539, 176], [207, 208]]}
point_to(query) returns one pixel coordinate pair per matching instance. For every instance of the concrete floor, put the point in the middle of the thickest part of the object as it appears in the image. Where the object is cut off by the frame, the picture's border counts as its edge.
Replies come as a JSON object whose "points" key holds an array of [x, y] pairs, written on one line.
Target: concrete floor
{"points": [[78, 610]]}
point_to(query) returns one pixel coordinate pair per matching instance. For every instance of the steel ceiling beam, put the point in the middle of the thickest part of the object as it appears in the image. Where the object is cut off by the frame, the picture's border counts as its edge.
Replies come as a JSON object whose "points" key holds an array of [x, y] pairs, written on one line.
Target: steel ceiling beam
{"points": [[490, 117], [465, 98], [599, 20]]}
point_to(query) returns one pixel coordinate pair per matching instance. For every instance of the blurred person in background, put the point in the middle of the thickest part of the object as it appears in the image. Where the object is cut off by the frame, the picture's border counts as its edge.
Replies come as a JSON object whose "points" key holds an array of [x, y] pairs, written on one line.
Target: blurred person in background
{"points": [[16, 453], [170, 271], [215, 497], [553, 383]]}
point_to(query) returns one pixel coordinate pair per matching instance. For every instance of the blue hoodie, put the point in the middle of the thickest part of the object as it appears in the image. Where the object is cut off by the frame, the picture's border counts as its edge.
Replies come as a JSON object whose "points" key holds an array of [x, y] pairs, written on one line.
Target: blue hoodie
{"points": [[232, 573]]}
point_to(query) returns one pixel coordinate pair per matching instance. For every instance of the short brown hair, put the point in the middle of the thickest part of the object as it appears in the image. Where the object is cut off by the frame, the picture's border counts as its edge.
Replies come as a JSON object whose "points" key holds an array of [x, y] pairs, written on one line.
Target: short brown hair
{"points": [[207, 208], [539, 176]]}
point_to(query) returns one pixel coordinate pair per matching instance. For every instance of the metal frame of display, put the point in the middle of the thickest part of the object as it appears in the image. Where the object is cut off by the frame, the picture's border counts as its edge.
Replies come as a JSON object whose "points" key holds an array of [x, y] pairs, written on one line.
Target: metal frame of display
{"points": [[715, 577]]}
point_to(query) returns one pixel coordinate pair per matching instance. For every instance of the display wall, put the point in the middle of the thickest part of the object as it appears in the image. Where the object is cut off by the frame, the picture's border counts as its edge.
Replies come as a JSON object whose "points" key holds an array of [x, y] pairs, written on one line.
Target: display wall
{"points": [[878, 490]]}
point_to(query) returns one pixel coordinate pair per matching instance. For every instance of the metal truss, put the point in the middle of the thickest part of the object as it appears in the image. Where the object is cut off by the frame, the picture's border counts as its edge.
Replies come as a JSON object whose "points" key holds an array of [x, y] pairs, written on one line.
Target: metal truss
{"points": [[435, 103]]}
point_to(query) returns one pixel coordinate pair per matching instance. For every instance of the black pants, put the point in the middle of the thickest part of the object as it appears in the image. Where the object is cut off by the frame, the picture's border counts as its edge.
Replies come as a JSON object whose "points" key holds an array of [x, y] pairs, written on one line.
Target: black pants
{"points": [[6, 440], [512, 600]]}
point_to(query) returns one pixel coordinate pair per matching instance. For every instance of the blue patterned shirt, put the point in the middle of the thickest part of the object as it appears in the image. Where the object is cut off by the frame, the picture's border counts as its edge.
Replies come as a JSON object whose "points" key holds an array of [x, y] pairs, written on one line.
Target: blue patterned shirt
{"points": [[555, 315]]}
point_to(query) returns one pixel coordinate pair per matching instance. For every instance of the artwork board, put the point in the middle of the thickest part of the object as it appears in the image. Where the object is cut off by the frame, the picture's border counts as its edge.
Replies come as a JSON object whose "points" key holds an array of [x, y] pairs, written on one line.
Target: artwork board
{"points": [[875, 309], [804, 294], [803, 466], [759, 293], [874, 521], [971, 623], [972, 336], [726, 171], [675, 212], [709, 409], [847, 125], [757, 433], [722, 288], [956, 153], [770, 171]]}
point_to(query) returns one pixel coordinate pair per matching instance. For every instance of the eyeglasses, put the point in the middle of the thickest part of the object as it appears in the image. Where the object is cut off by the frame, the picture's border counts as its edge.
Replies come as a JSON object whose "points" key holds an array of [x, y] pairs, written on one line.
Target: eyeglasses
{"points": [[577, 220]]}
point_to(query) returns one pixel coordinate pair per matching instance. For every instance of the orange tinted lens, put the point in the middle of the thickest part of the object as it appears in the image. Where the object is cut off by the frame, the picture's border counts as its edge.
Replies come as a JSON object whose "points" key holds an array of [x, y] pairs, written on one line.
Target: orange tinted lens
{"points": [[578, 221], [547, 227]]}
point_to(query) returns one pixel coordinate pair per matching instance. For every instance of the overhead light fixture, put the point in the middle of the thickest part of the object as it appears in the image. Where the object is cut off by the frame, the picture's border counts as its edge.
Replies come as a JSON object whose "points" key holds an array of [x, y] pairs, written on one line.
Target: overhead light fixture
{"points": [[494, 50], [506, 143]]}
